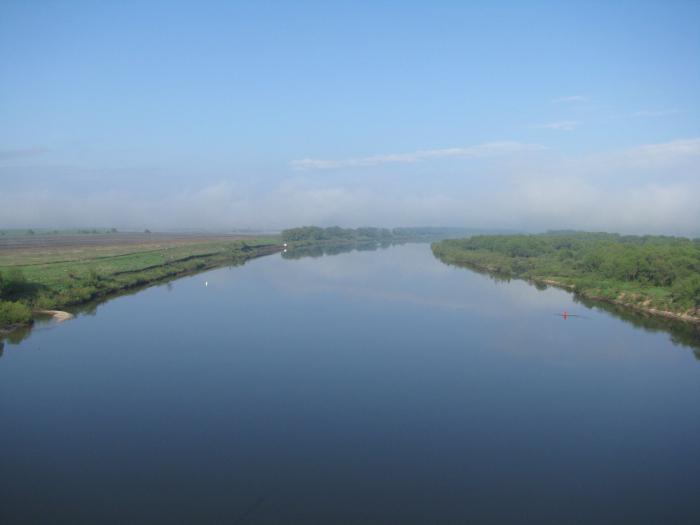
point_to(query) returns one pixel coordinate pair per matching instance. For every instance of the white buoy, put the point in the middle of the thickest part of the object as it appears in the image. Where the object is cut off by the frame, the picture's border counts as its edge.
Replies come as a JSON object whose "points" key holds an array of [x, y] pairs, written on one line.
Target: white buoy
{"points": [[206, 283]]}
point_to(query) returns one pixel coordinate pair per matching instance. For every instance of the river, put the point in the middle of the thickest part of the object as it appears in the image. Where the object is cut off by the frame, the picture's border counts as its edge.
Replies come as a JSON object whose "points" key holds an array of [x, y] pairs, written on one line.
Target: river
{"points": [[365, 387]]}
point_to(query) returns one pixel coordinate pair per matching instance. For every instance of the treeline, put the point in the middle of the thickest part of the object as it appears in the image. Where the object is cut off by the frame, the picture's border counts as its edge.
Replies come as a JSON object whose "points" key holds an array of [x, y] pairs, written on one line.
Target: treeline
{"points": [[656, 271], [338, 234], [93, 231]]}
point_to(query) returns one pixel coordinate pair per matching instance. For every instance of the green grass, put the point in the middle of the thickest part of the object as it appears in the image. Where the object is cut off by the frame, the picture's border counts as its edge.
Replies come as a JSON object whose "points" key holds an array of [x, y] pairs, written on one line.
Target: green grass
{"points": [[59, 278]]}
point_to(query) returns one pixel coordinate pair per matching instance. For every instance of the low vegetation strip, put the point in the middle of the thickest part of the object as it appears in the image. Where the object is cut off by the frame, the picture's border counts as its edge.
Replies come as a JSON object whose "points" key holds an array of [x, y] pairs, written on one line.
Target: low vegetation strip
{"points": [[308, 235], [70, 276], [659, 275]]}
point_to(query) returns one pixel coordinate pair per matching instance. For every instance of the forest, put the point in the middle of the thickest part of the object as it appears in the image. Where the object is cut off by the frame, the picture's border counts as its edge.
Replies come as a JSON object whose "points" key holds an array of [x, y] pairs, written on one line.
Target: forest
{"points": [[647, 272]]}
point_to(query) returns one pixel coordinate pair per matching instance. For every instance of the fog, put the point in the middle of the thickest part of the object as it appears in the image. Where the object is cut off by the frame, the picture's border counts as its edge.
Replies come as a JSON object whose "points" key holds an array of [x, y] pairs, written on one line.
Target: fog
{"points": [[649, 189]]}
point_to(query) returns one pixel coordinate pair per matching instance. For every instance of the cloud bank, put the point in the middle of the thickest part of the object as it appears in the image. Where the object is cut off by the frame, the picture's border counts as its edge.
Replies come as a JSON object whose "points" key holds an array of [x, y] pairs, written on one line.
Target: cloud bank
{"points": [[489, 149], [653, 188]]}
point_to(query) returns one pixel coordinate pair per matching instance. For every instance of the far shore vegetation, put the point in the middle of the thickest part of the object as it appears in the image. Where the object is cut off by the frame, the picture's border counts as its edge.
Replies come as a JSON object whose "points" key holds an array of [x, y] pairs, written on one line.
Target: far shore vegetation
{"points": [[656, 274], [337, 235], [54, 277]]}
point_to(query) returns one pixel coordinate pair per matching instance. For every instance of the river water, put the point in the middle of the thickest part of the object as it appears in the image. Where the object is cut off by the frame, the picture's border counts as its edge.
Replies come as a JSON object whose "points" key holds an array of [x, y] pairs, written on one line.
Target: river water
{"points": [[365, 387]]}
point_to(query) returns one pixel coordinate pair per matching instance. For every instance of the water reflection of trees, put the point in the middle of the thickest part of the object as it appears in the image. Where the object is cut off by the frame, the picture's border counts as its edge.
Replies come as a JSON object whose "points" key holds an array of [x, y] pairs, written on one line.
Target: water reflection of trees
{"points": [[15, 336], [682, 333], [494, 276], [319, 250]]}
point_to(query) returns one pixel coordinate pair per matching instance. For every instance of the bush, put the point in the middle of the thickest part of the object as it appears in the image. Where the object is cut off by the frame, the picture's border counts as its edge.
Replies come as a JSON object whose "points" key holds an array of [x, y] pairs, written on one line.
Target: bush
{"points": [[687, 291], [12, 283], [92, 278], [14, 312], [45, 302]]}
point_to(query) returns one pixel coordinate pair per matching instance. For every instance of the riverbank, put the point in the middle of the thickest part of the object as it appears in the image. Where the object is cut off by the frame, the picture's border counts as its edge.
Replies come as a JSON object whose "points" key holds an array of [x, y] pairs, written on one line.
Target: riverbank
{"points": [[656, 276], [39, 279], [57, 315]]}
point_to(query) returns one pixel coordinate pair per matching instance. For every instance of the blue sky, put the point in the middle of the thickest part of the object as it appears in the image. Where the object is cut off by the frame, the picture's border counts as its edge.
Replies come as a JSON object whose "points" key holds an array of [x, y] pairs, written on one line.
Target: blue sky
{"points": [[219, 115]]}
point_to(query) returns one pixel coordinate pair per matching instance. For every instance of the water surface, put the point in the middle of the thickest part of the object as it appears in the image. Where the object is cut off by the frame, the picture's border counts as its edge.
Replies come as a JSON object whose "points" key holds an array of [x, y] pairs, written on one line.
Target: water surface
{"points": [[365, 387]]}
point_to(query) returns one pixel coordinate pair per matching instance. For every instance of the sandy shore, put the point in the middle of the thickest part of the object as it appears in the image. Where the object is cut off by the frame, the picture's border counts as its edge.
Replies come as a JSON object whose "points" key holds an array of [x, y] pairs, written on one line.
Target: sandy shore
{"points": [[59, 315]]}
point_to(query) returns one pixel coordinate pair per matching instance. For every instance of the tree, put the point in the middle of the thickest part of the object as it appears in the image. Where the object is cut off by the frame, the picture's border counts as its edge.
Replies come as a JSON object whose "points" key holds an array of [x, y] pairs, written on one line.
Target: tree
{"points": [[12, 283]]}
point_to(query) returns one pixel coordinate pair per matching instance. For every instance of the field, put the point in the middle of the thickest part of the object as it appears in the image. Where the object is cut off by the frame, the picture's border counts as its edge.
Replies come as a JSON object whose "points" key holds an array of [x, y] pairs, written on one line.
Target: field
{"points": [[55, 271]]}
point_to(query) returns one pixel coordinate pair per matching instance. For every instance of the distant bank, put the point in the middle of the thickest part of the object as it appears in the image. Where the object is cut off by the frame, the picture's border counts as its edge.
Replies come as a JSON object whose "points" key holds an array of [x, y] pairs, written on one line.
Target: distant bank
{"points": [[54, 272], [652, 274]]}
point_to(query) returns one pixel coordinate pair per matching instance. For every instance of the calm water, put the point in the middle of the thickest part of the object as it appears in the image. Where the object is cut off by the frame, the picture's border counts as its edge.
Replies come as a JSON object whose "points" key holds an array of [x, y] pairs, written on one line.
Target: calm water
{"points": [[366, 387]]}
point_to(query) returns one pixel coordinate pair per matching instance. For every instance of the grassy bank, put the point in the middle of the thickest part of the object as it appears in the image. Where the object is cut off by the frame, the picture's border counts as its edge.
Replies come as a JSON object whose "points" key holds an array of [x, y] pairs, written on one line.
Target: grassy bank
{"points": [[56, 278], [658, 275]]}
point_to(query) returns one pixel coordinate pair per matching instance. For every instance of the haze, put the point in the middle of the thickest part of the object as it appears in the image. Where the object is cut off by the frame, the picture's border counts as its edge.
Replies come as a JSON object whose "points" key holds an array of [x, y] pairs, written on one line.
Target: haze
{"points": [[269, 115]]}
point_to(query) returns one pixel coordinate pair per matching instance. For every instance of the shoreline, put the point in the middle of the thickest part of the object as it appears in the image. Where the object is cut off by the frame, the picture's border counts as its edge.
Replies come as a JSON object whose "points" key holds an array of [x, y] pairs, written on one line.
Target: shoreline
{"points": [[676, 316], [642, 309], [207, 262], [58, 315]]}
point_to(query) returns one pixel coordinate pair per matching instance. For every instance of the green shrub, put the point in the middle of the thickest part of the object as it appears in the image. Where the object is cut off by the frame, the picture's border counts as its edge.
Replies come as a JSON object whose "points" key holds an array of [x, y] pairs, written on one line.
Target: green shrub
{"points": [[687, 291], [92, 278], [14, 312], [12, 283]]}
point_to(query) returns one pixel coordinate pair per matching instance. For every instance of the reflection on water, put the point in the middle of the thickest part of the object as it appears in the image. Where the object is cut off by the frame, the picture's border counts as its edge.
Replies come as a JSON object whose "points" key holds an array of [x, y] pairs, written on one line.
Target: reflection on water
{"points": [[90, 308], [369, 387], [682, 333], [17, 335], [319, 250]]}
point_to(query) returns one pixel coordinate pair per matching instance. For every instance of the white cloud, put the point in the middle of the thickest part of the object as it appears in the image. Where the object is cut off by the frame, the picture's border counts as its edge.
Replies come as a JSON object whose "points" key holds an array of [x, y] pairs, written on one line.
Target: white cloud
{"points": [[664, 153], [489, 149], [565, 125], [655, 113], [571, 98]]}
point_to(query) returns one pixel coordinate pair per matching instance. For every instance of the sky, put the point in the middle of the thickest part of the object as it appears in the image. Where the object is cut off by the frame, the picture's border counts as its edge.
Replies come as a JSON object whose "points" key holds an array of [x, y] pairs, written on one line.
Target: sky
{"points": [[266, 115]]}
